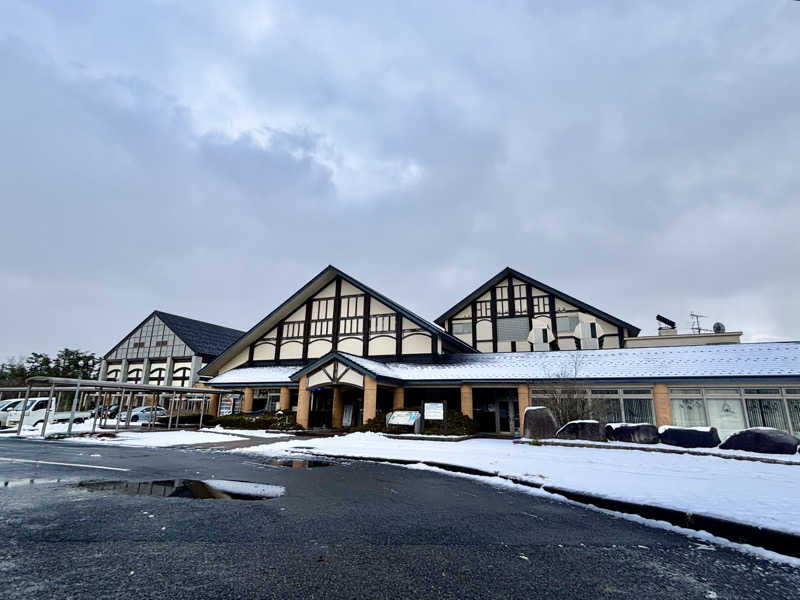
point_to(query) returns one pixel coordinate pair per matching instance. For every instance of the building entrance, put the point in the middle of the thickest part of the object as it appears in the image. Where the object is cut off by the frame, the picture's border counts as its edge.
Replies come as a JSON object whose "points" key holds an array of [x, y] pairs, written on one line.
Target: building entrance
{"points": [[496, 410]]}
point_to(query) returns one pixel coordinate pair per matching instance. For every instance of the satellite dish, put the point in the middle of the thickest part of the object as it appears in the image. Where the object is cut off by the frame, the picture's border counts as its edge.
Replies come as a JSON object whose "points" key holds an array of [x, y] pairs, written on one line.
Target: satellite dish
{"points": [[719, 327]]}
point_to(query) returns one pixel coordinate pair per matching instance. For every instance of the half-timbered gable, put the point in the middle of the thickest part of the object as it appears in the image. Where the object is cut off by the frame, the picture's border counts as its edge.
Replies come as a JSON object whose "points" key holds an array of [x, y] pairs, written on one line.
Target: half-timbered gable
{"points": [[336, 313], [166, 349], [515, 313]]}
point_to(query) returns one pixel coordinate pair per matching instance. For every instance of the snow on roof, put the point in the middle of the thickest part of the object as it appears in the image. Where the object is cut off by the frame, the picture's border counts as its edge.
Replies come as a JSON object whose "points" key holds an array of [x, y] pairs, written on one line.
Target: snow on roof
{"points": [[724, 360], [255, 375]]}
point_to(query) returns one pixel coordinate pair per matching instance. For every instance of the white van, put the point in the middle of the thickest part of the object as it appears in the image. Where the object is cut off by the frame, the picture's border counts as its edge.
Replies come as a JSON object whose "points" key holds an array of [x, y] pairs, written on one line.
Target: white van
{"points": [[36, 411], [10, 405]]}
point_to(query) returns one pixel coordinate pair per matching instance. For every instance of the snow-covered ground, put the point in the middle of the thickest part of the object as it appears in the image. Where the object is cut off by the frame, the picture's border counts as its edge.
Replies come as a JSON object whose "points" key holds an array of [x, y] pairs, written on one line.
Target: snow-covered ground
{"points": [[749, 492], [247, 432], [793, 458], [157, 439]]}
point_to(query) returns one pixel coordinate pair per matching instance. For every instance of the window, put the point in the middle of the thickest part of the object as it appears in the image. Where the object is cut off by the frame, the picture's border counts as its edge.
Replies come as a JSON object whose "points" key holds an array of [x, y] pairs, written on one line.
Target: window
{"points": [[161, 342], [292, 330], [382, 323], [483, 308], [513, 329], [462, 327], [567, 325], [138, 344], [541, 304]]}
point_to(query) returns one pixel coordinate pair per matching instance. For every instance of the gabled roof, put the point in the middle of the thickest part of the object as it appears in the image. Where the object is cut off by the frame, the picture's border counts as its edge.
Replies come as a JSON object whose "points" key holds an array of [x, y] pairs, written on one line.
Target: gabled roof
{"points": [[296, 300], [201, 337], [632, 330]]}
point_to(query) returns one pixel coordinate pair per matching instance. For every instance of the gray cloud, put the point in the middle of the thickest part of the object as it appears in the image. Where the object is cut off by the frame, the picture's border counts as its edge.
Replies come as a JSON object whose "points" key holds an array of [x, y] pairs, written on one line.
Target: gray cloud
{"points": [[208, 161]]}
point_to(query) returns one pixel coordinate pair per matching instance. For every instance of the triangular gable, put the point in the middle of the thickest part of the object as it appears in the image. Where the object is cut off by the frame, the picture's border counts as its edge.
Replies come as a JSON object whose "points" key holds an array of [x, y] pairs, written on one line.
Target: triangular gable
{"points": [[147, 352], [296, 302], [631, 330]]}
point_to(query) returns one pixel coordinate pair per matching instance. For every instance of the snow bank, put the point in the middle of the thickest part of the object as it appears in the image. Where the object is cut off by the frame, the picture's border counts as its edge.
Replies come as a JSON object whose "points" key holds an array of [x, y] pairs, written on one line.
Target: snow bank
{"points": [[749, 492]]}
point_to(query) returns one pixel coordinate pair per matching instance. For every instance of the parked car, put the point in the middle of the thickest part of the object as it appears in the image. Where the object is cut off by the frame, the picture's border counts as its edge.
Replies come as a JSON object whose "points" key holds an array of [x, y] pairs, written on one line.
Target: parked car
{"points": [[111, 410], [36, 411], [142, 414], [7, 406]]}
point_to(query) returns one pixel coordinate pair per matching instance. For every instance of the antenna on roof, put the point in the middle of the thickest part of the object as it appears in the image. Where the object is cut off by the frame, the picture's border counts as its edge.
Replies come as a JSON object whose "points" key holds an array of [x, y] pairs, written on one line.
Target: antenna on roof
{"points": [[696, 327]]}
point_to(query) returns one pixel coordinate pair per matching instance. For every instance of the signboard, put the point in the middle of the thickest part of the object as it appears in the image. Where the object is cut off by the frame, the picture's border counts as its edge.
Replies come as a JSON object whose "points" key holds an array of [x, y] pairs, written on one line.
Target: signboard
{"points": [[225, 407], [347, 415], [434, 411], [404, 417]]}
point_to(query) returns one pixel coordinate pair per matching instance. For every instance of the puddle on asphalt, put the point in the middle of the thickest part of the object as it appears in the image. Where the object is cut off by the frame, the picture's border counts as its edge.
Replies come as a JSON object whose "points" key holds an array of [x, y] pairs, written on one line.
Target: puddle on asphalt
{"points": [[299, 463], [207, 489]]}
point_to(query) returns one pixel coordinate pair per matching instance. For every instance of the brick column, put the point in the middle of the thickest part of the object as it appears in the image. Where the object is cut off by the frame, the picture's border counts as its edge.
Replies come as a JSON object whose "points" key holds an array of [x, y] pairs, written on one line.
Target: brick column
{"points": [[303, 403], [338, 408], [466, 401], [524, 400], [370, 398], [285, 403], [398, 398], [662, 405], [247, 400]]}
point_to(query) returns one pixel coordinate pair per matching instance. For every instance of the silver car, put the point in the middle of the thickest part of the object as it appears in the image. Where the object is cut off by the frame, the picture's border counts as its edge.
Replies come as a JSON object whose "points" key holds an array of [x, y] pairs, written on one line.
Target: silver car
{"points": [[142, 414], [6, 406]]}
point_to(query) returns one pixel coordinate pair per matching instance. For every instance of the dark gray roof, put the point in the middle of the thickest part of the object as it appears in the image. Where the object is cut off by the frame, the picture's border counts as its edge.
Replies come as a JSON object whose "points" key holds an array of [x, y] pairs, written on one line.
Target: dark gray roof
{"points": [[201, 337]]}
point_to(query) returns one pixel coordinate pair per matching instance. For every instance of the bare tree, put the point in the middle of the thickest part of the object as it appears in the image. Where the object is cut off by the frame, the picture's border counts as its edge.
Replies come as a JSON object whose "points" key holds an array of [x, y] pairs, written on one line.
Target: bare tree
{"points": [[564, 394]]}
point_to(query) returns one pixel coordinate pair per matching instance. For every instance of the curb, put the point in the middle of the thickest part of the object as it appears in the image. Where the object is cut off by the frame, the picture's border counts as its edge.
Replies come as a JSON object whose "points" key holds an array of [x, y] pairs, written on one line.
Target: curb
{"points": [[645, 448], [770, 539]]}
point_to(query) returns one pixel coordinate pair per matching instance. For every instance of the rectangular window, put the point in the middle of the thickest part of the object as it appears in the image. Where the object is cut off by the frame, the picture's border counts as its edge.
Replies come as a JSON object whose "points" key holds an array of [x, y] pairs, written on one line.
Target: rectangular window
{"points": [[689, 412], [567, 325], [138, 344], [161, 343], [483, 308], [541, 304], [293, 330], [766, 412], [382, 323], [462, 327], [513, 329]]}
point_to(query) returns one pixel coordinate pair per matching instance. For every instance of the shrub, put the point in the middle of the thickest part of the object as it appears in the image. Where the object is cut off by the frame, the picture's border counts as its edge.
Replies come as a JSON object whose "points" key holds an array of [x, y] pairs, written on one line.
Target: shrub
{"points": [[286, 421], [457, 424]]}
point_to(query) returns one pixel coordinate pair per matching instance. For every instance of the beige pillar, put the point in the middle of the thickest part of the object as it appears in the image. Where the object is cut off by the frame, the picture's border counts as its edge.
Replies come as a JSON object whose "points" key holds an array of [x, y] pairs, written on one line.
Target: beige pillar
{"points": [[286, 400], [662, 404], [370, 398], [466, 401], [338, 408], [247, 400], [399, 398], [213, 404], [303, 403], [524, 400]]}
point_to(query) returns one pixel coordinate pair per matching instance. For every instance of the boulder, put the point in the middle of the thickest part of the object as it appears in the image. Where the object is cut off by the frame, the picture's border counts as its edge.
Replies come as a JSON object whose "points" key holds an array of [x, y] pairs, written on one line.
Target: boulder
{"points": [[539, 423], [762, 439], [689, 437], [594, 431], [638, 433]]}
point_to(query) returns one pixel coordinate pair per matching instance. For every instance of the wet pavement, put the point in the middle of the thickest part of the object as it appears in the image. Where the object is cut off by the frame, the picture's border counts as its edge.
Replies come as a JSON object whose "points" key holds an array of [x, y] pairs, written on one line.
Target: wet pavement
{"points": [[354, 530]]}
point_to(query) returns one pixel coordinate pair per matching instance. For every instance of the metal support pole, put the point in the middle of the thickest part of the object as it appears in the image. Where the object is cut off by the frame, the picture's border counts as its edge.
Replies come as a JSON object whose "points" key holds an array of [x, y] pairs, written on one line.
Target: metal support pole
{"points": [[202, 411], [96, 410], [22, 412], [47, 412], [171, 407], [130, 411], [178, 415], [119, 413], [74, 403]]}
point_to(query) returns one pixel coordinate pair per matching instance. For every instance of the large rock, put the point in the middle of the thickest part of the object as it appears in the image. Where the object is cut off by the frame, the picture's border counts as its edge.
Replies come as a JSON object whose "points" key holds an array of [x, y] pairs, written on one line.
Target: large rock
{"points": [[638, 433], [583, 430], [539, 423], [762, 439], [690, 437]]}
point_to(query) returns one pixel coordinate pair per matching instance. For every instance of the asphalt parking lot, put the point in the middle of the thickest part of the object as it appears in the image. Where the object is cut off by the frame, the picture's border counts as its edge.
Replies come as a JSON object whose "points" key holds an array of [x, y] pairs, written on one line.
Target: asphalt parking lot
{"points": [[351, 530]]}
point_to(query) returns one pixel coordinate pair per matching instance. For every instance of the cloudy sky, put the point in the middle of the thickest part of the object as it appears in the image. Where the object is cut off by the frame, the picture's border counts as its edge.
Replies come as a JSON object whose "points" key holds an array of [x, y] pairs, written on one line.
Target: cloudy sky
{"points": [[208, 158]]}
